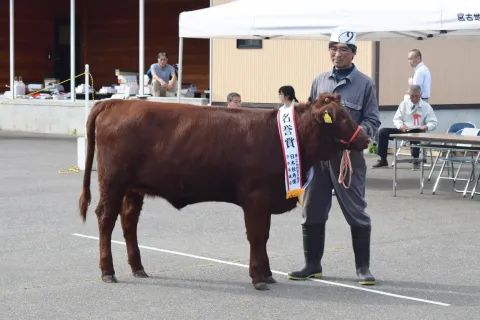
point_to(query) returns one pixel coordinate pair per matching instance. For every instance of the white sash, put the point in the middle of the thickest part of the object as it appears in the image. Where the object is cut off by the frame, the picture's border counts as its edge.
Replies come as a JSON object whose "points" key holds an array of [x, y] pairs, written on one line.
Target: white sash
{"points": [[284, 106], [287, 128]]}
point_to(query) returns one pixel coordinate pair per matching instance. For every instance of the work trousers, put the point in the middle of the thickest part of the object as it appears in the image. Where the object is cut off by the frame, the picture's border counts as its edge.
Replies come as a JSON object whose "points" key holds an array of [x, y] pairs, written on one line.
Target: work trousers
{"points": [[318, 194], [159, 91], [384, 136]]}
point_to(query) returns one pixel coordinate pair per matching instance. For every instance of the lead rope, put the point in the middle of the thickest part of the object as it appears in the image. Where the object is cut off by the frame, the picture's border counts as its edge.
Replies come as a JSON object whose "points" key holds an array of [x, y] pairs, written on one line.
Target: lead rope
{"points": [[345, 165]]}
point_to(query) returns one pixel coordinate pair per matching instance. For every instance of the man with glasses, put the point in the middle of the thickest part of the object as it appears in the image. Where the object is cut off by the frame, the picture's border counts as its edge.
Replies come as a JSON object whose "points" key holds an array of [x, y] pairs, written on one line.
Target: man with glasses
{"points": [[422, 75], [234, 100], [413, 115], [358, 95]]}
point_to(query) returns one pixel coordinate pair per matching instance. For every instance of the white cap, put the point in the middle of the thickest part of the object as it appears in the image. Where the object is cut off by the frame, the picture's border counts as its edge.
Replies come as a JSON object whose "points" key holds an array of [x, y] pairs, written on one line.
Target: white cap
{"points": [[343, 36]]}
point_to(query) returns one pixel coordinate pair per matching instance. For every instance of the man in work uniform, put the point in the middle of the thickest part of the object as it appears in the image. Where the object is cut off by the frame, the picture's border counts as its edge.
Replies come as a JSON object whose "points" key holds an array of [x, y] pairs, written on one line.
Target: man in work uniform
{"points": [[357, 92]]}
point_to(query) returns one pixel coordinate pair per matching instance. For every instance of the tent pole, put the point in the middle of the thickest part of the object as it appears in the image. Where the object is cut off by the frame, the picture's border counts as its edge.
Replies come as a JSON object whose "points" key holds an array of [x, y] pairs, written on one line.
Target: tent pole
{"points": [[210, 73], [141, 48], [180, 68], [87, 91], [82, 143], [12, 52], [211, 67], [72, 50]]}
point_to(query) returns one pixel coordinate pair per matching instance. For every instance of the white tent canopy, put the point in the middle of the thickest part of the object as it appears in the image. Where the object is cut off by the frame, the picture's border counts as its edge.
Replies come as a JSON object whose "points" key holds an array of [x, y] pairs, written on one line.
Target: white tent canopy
{"points": [[372, 20]]}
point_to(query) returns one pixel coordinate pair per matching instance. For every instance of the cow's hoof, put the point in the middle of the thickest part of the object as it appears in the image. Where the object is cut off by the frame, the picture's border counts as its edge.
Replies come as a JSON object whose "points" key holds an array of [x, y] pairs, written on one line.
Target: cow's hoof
{"points": [[140, 274], [261, 286], [271, 280], [109, 279]]}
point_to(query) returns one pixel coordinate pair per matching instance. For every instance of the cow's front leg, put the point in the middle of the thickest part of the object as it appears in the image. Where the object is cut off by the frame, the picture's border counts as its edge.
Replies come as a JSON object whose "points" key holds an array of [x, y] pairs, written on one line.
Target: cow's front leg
{"points": [[132, 206], [268, 271], [257, 222]]}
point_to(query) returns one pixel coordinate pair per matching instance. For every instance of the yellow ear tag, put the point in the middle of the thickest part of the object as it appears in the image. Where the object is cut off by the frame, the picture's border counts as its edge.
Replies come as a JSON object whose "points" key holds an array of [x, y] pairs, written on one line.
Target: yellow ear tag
{"points": [[327, 118]]}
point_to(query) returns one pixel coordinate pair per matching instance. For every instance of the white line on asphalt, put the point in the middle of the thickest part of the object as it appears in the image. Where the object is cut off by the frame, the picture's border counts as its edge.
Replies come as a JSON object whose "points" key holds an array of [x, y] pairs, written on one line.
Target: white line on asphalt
{"points": [[276, 272]]}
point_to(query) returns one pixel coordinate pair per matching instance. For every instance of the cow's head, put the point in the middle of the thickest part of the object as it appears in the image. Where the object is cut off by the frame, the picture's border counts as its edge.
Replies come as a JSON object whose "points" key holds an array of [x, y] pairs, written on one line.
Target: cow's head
{"points": [[336, 121]]}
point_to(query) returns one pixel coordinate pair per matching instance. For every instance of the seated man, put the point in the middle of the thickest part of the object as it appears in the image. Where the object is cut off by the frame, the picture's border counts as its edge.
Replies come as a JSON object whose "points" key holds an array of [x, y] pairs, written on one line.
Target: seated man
{"points": [[413, 115], [163, 76]]}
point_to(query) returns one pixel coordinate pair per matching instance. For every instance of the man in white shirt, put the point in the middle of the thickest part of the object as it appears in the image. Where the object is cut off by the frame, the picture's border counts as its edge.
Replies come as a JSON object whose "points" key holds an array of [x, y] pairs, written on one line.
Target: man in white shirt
{"points": [[422, 75], [413, 115]]}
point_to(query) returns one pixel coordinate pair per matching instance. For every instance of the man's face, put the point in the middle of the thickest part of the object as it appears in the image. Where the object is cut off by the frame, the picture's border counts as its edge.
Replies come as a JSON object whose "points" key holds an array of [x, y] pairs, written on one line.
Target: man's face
{"points": [[163, 61], [235, 103], [413, 59], [415, 97], [341, 55]]}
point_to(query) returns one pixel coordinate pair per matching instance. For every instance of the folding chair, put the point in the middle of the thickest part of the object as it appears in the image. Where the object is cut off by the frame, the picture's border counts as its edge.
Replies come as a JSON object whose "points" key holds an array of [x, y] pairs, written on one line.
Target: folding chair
{"points": [[407, 144], [453, 129], [461, 160], [474, 188]]}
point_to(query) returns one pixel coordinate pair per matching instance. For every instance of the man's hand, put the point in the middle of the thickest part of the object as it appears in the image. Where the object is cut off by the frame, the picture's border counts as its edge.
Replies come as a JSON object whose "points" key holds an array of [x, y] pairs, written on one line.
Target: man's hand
{"points": [[424, 128], [403, 128], [169, 86], [162, 83]]}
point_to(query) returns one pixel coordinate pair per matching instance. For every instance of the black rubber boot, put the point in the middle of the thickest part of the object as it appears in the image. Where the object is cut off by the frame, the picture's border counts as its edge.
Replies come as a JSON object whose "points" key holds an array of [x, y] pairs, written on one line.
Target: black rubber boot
{"points": [[361, 248], [313, 245]]}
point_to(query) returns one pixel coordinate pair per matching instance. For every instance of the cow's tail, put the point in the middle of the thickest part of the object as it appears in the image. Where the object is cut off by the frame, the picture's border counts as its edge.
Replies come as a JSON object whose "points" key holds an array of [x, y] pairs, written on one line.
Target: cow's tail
{"points": [[86, 197]]}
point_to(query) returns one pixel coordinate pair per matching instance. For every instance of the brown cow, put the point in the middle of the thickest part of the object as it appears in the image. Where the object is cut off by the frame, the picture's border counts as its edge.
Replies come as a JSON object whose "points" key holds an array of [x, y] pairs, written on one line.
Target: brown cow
{"points": [[189, 154]]}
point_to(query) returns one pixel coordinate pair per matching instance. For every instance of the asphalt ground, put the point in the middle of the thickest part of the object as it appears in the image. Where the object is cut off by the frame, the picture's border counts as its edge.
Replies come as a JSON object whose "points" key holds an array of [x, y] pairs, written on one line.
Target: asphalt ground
{"points": [[424, 252]]}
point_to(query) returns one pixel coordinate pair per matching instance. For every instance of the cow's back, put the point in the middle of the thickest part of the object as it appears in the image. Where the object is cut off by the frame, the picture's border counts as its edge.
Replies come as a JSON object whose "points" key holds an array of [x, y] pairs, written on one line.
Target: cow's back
{"points": [[188, 154]]}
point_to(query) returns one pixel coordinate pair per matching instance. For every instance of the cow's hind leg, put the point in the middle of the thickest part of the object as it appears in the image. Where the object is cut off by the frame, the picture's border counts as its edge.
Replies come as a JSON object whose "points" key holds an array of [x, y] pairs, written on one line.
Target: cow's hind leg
{"points": [[132, 206], [257, 222], [107, 213]]}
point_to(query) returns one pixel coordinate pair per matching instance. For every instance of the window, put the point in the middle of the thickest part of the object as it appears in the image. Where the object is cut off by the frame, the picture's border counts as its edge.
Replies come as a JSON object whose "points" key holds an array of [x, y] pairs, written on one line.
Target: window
{"points": [[249, 44]]}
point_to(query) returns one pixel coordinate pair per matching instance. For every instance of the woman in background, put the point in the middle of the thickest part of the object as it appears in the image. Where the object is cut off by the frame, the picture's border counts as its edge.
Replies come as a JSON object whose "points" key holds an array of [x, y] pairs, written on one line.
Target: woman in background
{"points": [[286, 95]]}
